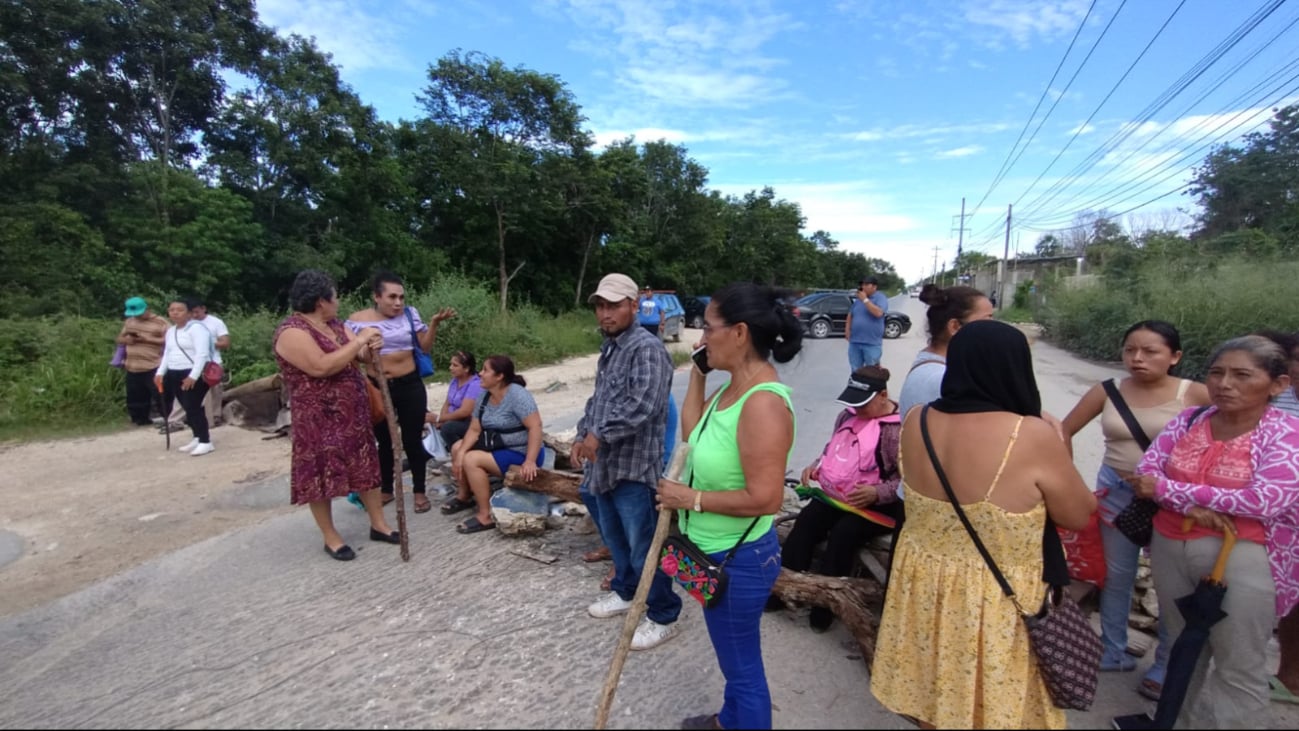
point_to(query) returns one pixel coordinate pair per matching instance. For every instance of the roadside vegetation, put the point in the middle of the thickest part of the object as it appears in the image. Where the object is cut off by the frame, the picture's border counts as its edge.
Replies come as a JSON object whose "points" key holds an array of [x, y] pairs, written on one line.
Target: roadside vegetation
{"points": [[1234, 272]]}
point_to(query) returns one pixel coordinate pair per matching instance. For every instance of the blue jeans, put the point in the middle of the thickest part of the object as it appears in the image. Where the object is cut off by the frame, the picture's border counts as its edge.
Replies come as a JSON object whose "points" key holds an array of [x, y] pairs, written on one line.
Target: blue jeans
{"points": [[626, 517], [735, 627], [1120, 576], [862, 354]]}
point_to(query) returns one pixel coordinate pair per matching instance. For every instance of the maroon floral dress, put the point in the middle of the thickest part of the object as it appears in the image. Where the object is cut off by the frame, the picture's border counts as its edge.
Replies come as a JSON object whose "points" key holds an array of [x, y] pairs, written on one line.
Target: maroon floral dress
{"points": [[334, 452]]}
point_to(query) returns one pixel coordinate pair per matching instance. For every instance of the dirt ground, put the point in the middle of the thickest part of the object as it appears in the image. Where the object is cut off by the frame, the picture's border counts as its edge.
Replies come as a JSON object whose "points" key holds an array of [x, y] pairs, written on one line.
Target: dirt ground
{"points": [[89, 508]]}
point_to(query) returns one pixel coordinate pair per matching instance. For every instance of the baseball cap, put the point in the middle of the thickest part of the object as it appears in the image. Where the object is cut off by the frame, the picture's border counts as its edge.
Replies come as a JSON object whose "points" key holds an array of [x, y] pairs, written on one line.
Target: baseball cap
{"points": [[135, 307], [615, 288], [860, 391]]}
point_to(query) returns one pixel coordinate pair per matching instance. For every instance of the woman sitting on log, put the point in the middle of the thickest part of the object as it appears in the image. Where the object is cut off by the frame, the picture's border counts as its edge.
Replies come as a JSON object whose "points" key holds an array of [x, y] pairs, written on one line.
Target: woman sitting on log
{"points": [[506, 431], [858, 477]]}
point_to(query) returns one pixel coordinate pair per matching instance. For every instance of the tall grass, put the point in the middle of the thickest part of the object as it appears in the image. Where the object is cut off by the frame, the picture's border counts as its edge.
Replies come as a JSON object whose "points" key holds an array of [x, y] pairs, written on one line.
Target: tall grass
{"points": [[55, 378], [1208, 306]]}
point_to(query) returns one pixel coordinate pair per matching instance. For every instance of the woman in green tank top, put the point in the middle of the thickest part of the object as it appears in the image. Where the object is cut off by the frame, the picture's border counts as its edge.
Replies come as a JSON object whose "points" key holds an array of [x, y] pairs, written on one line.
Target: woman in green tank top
{"points": [[741, 438]]}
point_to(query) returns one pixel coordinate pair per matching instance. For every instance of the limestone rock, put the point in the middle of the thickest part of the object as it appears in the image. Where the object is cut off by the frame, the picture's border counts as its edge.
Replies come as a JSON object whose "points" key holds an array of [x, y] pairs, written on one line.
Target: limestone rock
{"points": [[519, 512], [1143, 622], [1150, 603]]}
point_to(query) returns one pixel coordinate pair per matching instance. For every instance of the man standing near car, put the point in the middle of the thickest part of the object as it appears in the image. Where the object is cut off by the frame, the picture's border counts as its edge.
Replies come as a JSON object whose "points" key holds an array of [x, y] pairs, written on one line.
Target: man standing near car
{"points": [[650, 314], [620, 440], [864, 329]]}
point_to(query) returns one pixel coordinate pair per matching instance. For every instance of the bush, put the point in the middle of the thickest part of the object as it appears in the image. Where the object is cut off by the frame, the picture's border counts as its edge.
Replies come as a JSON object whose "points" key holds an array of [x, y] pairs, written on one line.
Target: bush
{"points": [[57, 379], [1208, 306]]}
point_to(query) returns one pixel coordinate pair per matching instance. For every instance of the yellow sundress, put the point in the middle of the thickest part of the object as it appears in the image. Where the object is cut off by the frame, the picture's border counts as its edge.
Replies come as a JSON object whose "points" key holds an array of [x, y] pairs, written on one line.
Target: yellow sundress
{"points": [[952, 649]]}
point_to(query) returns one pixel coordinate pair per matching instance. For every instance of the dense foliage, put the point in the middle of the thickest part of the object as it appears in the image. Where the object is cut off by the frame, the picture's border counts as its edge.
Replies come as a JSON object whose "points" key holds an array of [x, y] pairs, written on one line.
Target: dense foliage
{"points": [[183, 147]]}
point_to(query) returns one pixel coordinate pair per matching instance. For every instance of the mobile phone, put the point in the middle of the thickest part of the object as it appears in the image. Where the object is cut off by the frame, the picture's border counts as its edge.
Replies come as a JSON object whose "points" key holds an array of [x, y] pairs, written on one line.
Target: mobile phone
{"points": [[700, 357]]}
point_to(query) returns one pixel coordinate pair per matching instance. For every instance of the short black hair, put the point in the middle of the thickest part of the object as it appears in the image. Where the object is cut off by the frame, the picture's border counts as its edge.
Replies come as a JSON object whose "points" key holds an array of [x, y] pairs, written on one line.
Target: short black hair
{"points": [[870, 279]]}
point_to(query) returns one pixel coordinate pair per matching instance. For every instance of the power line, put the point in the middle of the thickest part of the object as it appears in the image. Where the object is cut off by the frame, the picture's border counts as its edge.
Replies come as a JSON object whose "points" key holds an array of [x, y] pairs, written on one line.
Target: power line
{"points": [[1005, 164], [1098, 108], [1202, 66]]}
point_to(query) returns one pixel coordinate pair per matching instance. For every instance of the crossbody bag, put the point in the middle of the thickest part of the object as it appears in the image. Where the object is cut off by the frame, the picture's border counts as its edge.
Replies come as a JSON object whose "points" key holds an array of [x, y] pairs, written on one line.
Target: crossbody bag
{"points": [[490, 440], [423, 361], [685, 563], [212, 370], [1067, 650]]}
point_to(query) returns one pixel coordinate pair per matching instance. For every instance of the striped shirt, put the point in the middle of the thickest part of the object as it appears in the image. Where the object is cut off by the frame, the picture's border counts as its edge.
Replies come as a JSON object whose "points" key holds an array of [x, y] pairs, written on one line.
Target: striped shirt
{"points": [[1288, 402], [628, 411]]}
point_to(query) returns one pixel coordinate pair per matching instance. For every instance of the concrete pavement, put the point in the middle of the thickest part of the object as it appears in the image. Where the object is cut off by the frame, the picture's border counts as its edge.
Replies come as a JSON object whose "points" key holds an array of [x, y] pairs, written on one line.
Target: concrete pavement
{"points": [[258, 628]]}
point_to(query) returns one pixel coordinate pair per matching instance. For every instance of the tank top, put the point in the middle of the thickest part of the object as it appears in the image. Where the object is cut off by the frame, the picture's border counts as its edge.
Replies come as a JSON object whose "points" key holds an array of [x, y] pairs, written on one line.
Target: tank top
{"points": [[714, 465], [1122, 451]]}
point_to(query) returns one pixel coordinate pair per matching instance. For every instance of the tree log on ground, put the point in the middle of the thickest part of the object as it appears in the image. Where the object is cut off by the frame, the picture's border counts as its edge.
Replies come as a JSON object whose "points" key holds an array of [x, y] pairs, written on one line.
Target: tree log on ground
{"points": [[848, 598], [562, 485], [269, 383], [254, 404]]}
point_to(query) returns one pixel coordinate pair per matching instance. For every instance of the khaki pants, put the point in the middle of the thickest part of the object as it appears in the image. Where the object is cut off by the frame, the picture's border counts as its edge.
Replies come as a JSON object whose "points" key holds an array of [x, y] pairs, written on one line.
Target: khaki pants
{"points": [[1235, 694]]}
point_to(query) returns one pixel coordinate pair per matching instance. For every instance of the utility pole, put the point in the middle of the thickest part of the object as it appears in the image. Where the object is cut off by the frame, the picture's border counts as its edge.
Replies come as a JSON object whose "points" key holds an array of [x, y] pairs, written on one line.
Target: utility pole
{"points": [[1001, 265], [933, 278], [943, 282], [960, 230]]}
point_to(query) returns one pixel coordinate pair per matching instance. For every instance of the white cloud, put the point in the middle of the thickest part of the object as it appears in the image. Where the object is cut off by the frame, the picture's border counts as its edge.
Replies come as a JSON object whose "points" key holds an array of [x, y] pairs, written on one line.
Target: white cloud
{"points": [[965, 151], [853, 209], [684, 55], [1027, 20], [1083, 129], [912, 131], [356, 38]]}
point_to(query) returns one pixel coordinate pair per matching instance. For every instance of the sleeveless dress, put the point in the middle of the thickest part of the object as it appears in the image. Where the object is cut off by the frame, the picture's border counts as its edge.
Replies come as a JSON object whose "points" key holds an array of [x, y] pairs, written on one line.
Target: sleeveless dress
{"points": [[952, 649], [333, 447]]}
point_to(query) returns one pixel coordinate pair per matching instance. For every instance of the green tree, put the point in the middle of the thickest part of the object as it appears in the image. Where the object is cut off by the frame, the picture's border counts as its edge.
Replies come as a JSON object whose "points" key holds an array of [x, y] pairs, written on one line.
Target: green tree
{"points": [[506, 118]]}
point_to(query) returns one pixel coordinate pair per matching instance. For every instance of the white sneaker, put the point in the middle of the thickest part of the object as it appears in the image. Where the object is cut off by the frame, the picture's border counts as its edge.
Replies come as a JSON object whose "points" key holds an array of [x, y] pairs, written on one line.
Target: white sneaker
{"points": [[610, 606], [651, 634], [202, 449], [188, 447]]}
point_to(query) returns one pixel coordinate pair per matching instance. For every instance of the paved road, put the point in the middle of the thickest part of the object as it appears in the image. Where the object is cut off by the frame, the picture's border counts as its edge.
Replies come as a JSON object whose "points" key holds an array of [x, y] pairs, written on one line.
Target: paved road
{"points": [[259, 628]]}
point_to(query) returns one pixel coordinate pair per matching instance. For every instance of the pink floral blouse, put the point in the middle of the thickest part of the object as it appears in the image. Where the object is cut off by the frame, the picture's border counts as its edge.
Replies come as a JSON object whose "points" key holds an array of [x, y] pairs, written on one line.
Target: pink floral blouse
{"points": [[1272, 495]]}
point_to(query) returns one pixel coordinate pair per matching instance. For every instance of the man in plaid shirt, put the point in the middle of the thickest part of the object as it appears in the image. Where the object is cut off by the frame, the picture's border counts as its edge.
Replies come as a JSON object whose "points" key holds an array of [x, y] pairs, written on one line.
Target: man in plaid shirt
{"points": [[620, 438]]}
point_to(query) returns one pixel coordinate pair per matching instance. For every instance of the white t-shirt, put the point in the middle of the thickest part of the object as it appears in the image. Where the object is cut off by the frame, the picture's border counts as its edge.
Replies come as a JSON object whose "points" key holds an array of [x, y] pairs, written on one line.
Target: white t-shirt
{"points": [[217, 327]]}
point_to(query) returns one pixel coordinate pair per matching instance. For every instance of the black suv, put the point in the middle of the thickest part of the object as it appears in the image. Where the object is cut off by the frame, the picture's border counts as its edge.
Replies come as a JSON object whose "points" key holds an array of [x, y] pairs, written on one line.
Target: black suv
{"points": [[695, 307], [824, 314]]}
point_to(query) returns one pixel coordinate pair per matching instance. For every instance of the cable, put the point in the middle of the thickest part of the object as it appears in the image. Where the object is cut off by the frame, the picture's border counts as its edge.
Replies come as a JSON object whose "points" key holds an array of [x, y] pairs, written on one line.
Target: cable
{"points": [[1005, 164]]}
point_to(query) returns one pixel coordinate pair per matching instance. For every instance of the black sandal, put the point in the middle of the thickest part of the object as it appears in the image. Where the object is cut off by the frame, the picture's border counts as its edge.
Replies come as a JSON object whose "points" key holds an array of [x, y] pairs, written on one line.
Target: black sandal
{"points": [[455, 505], [473, 526]]}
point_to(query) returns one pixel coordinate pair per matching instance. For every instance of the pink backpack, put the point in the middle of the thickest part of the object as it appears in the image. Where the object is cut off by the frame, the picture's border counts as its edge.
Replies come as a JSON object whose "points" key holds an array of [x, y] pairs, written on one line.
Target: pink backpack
{"points": [[851, 456]]}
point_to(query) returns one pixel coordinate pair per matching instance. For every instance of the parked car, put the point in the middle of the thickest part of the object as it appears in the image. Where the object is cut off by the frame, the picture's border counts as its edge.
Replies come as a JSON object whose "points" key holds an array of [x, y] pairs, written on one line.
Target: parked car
{"points": [[824, 314], [694, 308], [673, 315]]}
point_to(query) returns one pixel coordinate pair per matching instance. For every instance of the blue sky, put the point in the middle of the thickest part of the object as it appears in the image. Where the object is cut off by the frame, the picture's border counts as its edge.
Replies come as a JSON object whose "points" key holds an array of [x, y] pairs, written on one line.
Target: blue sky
{"points": [[876, 116]]}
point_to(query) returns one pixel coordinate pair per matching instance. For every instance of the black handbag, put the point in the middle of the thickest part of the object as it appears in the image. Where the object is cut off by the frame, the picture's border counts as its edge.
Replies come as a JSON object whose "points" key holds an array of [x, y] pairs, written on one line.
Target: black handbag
{"points": [[1067, 649], [490, 440], [1136, 521]]}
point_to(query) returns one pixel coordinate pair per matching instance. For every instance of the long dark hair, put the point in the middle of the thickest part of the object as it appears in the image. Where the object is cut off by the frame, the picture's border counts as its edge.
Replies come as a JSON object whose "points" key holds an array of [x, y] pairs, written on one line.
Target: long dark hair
{"points": [[504, 365], [774, 330], [467, 360]]}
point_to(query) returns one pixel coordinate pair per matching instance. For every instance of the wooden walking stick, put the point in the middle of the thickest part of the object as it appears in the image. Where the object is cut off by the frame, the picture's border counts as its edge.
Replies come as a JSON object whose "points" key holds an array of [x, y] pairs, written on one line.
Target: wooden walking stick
{"points": [[390, 414], [642, 594]]}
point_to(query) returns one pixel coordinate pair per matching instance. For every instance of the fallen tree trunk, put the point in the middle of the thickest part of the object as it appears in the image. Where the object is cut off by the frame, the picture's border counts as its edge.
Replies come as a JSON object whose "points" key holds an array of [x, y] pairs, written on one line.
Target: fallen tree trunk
{"points": [[562, 485], [261, 385], [848, 598]]}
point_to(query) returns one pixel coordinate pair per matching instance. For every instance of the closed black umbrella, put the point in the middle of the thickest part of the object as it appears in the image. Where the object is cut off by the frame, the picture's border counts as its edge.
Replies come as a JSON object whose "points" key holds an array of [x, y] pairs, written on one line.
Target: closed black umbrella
{"points": [[1202, 609]]}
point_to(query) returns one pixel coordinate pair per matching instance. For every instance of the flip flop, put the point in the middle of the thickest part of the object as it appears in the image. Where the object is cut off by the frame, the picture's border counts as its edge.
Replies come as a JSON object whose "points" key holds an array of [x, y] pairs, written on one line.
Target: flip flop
{"points": [[473, 526], [1280, 693], [424, 506]]}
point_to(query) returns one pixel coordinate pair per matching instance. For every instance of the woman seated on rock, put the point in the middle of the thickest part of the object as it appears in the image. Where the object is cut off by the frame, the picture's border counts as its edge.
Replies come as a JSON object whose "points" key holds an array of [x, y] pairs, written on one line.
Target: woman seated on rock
{"points": [[858, 470], [505, 431], [463, 394]]}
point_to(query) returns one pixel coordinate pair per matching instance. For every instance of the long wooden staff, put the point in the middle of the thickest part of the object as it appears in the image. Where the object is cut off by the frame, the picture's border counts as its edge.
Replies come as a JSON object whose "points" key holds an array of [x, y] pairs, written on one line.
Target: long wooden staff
{"points": [[391, 415], [642, 594]]}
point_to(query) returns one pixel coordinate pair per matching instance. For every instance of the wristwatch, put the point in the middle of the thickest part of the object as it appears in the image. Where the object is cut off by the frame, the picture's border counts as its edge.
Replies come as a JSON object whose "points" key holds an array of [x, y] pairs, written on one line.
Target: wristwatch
{"points": [[699, 504]]}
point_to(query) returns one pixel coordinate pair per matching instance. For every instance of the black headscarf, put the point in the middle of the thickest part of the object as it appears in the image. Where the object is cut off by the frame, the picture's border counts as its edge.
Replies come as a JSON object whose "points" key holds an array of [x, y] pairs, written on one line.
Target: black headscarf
{"points": [[989, 368]]}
